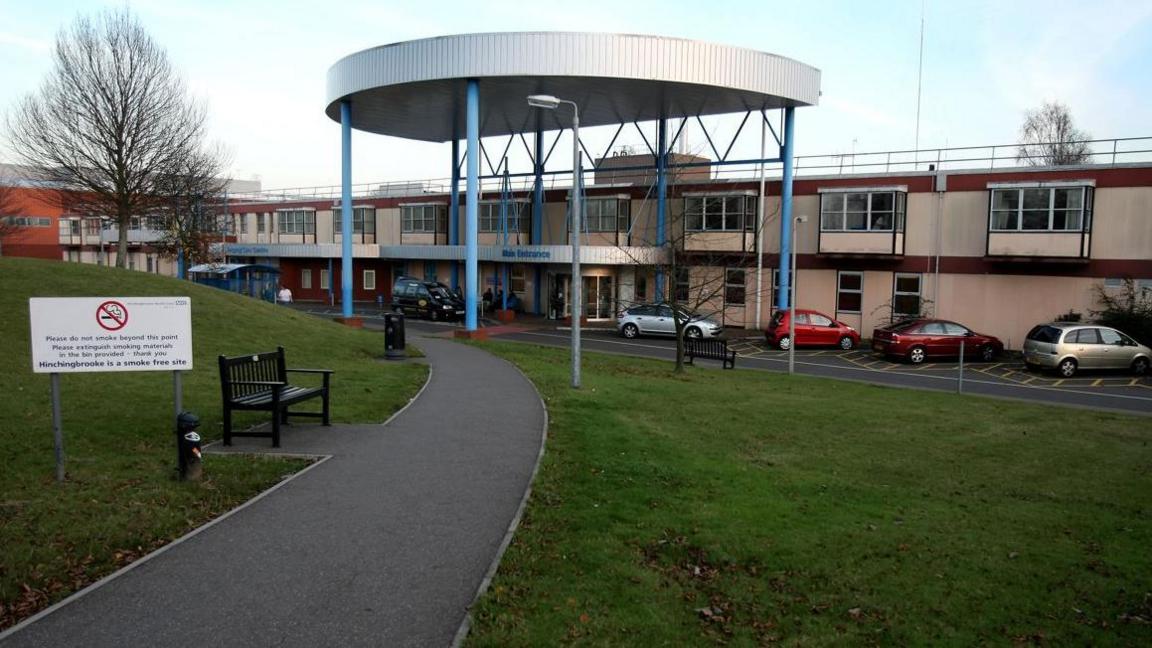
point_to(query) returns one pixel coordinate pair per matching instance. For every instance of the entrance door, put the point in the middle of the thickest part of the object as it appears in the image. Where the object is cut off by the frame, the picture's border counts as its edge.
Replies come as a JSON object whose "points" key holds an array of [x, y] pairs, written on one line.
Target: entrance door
{"points": [[599, 297]]}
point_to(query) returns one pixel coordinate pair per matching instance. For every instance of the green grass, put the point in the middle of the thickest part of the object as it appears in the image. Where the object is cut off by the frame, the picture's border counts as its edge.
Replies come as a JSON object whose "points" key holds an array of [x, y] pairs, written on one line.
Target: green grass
{"points": [[120, 499], [749, 508]]}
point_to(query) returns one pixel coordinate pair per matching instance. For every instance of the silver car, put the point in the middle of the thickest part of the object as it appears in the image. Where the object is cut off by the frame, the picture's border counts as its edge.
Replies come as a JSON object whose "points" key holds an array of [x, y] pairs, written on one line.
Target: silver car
{"points": [[1070, 346], [656, 319]]}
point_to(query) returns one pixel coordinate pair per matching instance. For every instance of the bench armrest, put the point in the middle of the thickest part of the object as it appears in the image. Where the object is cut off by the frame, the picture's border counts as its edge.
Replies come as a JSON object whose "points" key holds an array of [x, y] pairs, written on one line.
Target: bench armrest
{"points": [[316, 371], [264, 383]]}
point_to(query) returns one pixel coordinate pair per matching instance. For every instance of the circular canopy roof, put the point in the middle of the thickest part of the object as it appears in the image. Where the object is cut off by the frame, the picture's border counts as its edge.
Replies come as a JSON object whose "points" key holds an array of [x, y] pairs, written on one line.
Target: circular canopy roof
{"points": [[416, 89]]}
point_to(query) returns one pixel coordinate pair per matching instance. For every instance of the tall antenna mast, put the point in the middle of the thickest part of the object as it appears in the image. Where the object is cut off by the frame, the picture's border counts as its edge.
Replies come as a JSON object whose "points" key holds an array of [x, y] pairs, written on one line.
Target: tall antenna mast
{"points": [[919, 78]]}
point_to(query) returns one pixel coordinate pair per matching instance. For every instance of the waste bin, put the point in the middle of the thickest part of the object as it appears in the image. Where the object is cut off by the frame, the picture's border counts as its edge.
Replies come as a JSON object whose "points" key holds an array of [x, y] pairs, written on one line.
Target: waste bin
{"points": [[394, 336], [188, 447]]}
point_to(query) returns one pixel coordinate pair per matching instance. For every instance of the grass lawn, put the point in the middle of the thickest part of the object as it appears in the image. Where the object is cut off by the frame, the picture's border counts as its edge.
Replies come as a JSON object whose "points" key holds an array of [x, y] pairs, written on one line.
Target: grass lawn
{"points": [[120, 500], [749, 508]]}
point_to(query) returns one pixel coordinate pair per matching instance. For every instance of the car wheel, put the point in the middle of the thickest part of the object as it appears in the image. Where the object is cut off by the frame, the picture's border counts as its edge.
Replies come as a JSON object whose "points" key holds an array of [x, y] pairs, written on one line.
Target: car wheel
{"points": [[693, 332], [1140, 366], [846, 343], [1067, 367], [784, 343], [917, 355], [987, 353], [630, 331]]}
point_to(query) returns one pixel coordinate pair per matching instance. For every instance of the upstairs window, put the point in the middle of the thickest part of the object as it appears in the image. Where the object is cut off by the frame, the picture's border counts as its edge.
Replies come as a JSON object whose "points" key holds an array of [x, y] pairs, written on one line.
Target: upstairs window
{"points": [[606, 215], [297, 221], [719, 213], [1040, 209], [363, 220], [516, 212], [422, 219], [865, 211]]}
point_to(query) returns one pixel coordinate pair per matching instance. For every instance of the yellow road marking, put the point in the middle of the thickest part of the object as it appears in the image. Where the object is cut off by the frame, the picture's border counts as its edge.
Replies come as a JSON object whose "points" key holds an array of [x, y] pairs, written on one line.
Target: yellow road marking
{"points": [[1058, 383], [998, 364], [1025, 382], [1096, 383]]}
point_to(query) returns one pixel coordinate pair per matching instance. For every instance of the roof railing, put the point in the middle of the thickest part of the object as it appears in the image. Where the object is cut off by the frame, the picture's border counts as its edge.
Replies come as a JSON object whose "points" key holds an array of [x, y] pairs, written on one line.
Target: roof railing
{"points": [[1101, 152]]}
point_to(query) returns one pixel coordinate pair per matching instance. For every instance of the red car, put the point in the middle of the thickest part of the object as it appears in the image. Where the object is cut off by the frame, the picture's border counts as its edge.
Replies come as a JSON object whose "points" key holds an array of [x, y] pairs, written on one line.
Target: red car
{"points": [[920, 339], [813, 328]]}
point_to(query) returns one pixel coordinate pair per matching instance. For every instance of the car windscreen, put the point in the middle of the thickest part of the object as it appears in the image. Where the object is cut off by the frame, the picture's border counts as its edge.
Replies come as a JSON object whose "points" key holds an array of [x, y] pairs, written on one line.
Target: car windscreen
{"points": [[437, 291], [1042, 333]]}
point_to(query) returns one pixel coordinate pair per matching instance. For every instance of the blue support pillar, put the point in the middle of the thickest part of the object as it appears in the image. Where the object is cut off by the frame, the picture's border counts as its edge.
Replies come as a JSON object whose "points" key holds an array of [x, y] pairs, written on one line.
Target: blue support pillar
{"points": [[538, 216], [346, 208], [472, 196], [454, 209], [661, 195], [786, 212]]}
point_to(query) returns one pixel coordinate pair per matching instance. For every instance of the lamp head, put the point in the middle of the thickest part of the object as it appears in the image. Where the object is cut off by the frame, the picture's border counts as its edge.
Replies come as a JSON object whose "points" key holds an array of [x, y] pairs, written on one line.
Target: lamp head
{"points": [[543, 101]]}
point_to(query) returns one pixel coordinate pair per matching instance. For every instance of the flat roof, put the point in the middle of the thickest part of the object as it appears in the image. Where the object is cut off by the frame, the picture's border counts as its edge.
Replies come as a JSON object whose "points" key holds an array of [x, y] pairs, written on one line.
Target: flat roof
{"points": [[416, 89]]}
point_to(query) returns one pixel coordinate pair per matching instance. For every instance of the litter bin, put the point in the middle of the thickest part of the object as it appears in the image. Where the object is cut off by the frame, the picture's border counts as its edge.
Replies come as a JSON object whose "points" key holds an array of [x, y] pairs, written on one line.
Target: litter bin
{"points": [[394, 336], [188, 446]]}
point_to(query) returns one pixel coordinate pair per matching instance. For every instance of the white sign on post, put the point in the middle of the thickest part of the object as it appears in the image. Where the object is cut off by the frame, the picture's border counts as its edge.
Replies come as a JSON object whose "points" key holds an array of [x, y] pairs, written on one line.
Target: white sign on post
{"points": [[84, 334]]}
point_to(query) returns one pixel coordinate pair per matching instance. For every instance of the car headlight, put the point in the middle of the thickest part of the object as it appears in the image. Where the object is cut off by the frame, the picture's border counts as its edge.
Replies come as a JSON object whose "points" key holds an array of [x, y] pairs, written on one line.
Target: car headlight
{"points": [[446, 307]]}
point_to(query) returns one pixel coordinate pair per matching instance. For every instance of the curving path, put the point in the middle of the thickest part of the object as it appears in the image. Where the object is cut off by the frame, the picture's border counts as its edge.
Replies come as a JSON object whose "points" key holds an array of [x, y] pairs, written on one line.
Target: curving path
{"points": [[385, 543]]}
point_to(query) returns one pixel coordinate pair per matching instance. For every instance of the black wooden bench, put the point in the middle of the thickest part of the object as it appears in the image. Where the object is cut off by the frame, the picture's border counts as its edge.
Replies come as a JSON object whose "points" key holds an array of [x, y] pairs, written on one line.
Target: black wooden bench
{"points": [[713, 348], [260, 382]]}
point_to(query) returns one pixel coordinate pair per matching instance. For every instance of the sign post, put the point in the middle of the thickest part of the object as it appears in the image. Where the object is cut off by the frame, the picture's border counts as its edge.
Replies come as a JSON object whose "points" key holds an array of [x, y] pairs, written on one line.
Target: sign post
{"points": [[102, 334]]}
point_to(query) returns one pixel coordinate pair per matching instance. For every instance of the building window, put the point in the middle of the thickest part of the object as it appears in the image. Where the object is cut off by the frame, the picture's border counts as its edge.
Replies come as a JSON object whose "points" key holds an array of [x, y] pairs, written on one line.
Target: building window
{"points": [[429, 271], [369, 280], [683, 284], [423, 219], [606, 215], [92, 226], [325, 280], [518, 279], [1044, 209], [641, 288], [516, 213], [872, 211], [906, 295], [719, 213], [260, 223], [306, 279], [849, 292], [776, 285], [734, 286], [363, 220], [297, 221]]}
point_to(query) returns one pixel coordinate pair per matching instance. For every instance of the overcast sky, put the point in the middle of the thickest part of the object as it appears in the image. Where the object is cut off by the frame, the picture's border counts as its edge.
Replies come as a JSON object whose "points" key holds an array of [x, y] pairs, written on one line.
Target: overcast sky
{"points": [[261, 66]]}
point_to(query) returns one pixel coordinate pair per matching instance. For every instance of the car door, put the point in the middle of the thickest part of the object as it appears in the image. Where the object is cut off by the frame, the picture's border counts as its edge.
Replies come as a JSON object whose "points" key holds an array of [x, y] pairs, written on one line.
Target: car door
{"points": [[1114, 354], [1085, 345], [663, 323], [644, 317], [801, 328], [931, 337], [822, 330], [954, 335]]}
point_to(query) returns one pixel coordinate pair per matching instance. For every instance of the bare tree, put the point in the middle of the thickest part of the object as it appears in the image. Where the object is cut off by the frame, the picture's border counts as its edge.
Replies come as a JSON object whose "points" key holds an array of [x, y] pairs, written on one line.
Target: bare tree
{"points": [[194, 213], [8, 207], [1050, 138], [113, 124]]}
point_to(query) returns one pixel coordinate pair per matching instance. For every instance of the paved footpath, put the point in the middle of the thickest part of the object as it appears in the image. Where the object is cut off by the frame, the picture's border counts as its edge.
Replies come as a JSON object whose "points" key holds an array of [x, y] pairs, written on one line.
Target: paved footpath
{"points": [[383, 544]]}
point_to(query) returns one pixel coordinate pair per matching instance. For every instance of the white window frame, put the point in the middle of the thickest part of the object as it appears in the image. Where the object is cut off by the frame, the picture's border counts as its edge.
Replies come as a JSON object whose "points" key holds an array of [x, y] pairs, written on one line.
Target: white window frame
{"points": [[369, 280], [897, 215], [422, 218], [840, 289], [488, 218], [325, 279], [742, 286], [300, 222], [363, 220], [306, 279], [746, 216], [896, 277], [1085, 210]]}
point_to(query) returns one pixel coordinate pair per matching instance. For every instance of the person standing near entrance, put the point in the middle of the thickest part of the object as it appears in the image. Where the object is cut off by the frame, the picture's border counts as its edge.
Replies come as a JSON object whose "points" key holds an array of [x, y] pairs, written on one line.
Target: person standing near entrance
{"points": [[285, 295]]}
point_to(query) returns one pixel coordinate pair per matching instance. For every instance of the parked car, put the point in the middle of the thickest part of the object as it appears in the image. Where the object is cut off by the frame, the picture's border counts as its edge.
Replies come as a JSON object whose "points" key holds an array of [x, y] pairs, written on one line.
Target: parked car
{"points": [[656, 319], [426, 299], [813, 328], [920, 339], [1069, 347]]}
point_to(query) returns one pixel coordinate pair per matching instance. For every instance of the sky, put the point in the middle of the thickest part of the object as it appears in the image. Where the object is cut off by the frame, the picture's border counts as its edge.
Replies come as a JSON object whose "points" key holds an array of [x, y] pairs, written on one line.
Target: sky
{"points": [[261, 67]]}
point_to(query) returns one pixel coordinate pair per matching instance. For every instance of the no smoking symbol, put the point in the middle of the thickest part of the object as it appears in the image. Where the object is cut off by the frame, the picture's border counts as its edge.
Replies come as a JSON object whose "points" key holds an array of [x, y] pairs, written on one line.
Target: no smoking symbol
{"points": [[112, 316]]}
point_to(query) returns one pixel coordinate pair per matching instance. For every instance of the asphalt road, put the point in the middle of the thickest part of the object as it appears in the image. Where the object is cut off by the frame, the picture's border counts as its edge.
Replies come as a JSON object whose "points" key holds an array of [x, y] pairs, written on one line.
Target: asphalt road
{"points": [[1114, 391]]}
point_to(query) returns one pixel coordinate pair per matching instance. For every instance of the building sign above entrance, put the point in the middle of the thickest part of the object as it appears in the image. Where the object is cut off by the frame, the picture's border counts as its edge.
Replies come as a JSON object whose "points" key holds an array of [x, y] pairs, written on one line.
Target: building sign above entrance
{"points": [[522, 253]]}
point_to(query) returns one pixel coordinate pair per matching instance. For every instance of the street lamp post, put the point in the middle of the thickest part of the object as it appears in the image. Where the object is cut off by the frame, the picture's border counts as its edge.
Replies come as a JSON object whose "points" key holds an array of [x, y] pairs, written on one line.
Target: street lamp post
{"points": [[549, 102], [792, 301]]}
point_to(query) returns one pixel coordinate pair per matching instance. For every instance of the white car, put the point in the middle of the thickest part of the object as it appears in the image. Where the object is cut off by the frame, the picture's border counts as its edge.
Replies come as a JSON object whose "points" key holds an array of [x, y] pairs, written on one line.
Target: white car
{"points": [[657, 319]]}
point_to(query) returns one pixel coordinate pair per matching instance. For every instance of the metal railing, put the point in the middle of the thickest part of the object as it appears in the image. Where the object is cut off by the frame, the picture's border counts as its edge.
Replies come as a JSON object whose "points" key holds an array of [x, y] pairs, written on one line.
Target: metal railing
{"points": [[1102, 152]]}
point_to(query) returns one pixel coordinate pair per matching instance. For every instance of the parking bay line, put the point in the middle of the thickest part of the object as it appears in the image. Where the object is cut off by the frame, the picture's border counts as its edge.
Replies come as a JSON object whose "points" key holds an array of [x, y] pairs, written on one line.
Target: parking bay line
{"points": [[1009, 385]]}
